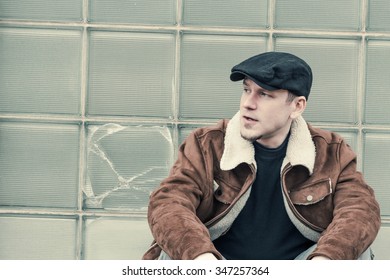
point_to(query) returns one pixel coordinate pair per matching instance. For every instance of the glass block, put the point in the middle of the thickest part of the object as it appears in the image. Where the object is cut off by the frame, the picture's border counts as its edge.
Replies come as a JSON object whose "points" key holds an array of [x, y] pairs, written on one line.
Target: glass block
{"points": [[39, 165], [334, 64], [42, 10], [116, 239], [31, 238], [323, 15], [133, 11], [377, 99], [381, 245], [229, 13], [378, 15], [40, 71], [131, 74], [206, 90], [377, 166], [125, 163]]}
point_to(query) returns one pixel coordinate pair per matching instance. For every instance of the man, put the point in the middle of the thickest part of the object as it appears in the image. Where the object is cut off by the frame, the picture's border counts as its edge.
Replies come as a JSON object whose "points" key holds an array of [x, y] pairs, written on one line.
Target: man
{"points": [[264, 185]]}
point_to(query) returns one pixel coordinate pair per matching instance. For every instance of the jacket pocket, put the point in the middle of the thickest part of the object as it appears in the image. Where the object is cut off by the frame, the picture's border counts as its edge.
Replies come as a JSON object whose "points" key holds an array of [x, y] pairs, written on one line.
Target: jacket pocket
{"points": [[223, 193], [312, 193]]}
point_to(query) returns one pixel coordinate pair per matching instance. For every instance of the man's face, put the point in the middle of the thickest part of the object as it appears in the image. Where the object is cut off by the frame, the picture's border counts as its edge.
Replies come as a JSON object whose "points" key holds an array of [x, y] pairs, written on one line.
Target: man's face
{"points": [[265, 115]]}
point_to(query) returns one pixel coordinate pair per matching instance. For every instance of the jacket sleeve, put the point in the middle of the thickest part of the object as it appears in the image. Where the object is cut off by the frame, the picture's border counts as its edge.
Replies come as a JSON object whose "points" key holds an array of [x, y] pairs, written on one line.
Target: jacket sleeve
{"points": [[356, 216], [173, 205]]}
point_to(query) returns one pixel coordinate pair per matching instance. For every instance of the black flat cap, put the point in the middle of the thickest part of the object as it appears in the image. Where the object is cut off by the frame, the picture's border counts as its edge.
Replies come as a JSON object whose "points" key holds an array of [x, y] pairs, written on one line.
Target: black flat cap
{"points": [[276, 70]]}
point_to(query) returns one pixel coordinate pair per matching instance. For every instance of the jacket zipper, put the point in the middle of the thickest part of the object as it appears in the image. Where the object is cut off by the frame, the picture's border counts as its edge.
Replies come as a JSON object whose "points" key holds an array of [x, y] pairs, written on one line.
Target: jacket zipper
{"points": [[221, 215]]}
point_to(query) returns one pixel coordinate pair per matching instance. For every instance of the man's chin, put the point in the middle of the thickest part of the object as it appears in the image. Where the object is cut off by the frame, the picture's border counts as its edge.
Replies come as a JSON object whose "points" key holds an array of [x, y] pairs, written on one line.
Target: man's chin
{"points": [[250, 137]]}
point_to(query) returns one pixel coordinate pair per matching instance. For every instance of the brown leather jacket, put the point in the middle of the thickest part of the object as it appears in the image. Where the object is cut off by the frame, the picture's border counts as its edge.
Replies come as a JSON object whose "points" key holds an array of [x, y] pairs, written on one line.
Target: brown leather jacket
{"points": [[325, 197]]}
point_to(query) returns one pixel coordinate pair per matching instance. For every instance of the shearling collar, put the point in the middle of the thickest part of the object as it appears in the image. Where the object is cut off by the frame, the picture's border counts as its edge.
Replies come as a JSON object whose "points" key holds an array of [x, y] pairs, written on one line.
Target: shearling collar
{"points": [[300, 149]]}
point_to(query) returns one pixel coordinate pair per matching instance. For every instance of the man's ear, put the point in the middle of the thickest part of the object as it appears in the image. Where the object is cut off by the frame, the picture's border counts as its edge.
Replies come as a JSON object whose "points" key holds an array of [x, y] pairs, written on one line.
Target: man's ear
{"points": [[299, 104]]}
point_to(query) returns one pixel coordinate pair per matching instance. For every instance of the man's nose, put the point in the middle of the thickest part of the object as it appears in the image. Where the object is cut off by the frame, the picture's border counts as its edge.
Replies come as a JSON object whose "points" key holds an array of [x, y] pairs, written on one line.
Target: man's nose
{"points": [[249, 101]]}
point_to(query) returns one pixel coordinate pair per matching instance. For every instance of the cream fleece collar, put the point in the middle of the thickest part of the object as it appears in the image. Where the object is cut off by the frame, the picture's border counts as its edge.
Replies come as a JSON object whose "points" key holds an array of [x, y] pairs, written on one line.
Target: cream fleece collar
{"points": [[300, 149]]}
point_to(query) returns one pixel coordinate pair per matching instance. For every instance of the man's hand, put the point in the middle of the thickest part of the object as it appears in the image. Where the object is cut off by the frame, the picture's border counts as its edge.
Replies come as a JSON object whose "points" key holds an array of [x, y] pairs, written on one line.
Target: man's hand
{"points": [[320, 258], [206, 256]]}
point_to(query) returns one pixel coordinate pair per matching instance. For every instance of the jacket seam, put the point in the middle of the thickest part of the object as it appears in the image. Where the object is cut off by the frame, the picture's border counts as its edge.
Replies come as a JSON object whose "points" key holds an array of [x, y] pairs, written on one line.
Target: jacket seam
{"points": [[204, 162], [210, 130], [339, 157], [332, 141], [226, 182]]}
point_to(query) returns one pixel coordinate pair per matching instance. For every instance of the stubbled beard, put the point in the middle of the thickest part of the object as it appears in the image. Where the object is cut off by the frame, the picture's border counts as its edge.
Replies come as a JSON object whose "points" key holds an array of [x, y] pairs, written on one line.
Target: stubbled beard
{"points": [[251, 138]]}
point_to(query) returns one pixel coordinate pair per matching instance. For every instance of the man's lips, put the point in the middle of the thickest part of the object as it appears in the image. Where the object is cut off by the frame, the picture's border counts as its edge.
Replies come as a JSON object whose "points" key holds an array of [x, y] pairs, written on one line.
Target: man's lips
{"points": [[249, 119]]}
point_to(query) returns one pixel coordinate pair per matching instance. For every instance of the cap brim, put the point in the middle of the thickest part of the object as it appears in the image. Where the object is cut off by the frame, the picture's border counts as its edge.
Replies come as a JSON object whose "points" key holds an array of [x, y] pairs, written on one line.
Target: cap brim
{"points": [[238, 76]]}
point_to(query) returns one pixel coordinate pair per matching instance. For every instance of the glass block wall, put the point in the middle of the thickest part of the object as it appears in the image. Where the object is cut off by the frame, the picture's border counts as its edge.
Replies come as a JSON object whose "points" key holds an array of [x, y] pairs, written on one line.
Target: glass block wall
{"points": [[96, 97]]}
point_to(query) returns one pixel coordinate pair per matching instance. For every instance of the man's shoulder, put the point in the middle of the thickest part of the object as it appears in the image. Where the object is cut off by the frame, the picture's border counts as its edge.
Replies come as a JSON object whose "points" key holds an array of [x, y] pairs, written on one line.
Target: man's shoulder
{"points": [[329, 136], [212, 130], [209, 138]]}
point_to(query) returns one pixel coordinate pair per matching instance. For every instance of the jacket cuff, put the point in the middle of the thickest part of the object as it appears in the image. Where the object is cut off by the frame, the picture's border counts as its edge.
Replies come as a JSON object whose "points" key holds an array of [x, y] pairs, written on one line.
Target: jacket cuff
{"points": [[194, 251]]}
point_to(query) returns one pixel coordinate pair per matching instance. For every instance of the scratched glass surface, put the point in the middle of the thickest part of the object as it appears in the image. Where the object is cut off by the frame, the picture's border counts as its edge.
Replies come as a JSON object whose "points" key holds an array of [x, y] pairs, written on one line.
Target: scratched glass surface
{"points": [[39, 164], [133, 11], [42, 10], [381, 245], [320, 15], [40, 70], [37, 238], [377, 98], [378, 15], [108, 238], [225, 13], [124, 165], [376, 166]]}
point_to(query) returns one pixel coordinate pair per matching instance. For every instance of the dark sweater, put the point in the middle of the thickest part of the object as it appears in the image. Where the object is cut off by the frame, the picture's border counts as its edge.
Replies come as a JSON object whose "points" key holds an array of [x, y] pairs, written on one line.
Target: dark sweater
{"points": [[263, 230]]}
